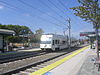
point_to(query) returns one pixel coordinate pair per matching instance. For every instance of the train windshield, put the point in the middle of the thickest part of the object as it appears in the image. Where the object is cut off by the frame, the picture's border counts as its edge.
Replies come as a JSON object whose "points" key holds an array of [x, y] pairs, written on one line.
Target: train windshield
{"points": [[45, 42]]}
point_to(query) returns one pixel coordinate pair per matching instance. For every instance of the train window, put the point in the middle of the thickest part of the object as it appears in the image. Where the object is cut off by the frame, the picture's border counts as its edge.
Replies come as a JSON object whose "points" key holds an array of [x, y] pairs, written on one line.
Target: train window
{"points": [[45, 42], [63, 42], [58, 41], [53, 42], [73, 42]]}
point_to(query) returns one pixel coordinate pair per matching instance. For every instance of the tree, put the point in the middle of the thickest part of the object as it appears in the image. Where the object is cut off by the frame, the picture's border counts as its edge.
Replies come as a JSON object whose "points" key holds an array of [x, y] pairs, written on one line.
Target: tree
{"points": [[14, 39], [37, 35], [17, 28], [39, 31], [18, 31], [89, 11]]}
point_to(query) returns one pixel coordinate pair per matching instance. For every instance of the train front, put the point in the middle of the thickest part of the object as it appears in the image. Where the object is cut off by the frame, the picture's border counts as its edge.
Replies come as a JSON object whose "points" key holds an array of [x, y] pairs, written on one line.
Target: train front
{"points": [[46, 42]]}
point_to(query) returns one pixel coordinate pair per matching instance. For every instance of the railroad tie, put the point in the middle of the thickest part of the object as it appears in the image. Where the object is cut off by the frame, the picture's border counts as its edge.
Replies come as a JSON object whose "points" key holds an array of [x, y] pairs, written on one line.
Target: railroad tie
{"points": [[24, 73], [29, 70]]}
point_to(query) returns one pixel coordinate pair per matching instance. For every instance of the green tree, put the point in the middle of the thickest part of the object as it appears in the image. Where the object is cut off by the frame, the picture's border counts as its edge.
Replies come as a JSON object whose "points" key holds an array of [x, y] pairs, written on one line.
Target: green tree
{"points": [[19, 30], [37, 35], [14, 39], [39, 31], [89, 10]]}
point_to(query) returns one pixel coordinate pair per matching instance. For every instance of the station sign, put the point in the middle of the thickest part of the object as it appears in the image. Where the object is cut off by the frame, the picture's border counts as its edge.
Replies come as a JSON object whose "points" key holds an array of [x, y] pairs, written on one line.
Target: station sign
{"points": [[86, 33], [81, 34]]}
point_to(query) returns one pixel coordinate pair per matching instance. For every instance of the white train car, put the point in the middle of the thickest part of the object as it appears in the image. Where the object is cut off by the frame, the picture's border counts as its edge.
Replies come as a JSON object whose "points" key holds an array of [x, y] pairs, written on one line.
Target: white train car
{"points": [[53, 42]]}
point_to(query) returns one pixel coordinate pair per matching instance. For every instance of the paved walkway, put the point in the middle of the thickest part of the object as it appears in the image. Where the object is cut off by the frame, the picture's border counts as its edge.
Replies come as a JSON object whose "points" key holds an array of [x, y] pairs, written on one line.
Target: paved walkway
{"points": [[81, 64], [72, 66], [88, 67]]}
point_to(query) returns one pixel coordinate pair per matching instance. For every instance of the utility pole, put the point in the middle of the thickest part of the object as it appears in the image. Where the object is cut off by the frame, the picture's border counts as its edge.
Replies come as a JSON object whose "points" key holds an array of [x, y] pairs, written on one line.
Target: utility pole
{"points": [[69, 27], [96, 28]]}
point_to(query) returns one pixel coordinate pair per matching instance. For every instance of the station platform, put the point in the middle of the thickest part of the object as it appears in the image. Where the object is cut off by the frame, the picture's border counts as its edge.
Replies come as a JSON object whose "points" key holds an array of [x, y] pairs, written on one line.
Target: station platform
{"points": [[72, 66], [78, 63]]}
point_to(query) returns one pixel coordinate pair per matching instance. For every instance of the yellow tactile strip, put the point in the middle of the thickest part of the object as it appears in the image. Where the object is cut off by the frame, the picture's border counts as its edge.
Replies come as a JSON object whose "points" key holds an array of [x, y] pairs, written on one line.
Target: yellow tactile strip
{"points": [[57, 63]]}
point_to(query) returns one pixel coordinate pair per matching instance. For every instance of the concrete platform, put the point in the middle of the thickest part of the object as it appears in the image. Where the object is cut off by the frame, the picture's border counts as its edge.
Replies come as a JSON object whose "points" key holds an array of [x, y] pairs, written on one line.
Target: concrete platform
{"points": [[72, 66], [78, 63], [88, 67], [81, 64], [68, 65]]}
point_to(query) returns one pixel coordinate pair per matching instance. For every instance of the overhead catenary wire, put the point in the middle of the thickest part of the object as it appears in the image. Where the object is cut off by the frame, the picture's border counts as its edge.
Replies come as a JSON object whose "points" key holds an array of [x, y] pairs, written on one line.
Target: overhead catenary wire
{"points": [[57, 7], [52, 9], [66, 8], [10, 6], [62, 4], [16, 8], [29, 5]]}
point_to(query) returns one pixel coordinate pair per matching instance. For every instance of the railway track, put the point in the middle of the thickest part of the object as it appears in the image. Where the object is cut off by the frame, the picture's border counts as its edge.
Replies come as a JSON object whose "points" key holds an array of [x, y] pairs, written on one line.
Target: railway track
{"points": [[28, 65], [18, 56]]}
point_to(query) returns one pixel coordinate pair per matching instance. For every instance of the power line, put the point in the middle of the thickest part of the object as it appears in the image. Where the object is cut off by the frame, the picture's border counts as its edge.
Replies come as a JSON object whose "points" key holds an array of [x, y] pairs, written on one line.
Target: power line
{"points": [[52, 9], [23, 2], [56, 6], [14, 8], [65, 7], [11, 6], [62, 4]]}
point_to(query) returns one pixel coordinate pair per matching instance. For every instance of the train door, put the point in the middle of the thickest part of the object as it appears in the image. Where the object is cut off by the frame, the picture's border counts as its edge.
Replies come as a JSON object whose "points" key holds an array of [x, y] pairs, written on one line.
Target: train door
{"points": [[55, 45]]}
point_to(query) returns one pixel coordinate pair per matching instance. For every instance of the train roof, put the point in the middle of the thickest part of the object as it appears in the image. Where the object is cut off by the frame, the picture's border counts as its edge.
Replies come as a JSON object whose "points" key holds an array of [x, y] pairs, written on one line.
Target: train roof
{"points": [[56, 35]]}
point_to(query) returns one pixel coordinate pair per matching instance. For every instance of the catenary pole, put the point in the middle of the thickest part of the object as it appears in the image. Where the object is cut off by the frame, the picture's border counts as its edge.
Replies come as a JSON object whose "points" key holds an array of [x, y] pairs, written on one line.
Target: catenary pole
{"points": [[69, 27]]}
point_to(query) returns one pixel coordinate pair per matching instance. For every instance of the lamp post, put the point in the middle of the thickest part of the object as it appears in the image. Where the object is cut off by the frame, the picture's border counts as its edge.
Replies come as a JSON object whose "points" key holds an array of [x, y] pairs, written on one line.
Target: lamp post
{"points": [[96, 26]]}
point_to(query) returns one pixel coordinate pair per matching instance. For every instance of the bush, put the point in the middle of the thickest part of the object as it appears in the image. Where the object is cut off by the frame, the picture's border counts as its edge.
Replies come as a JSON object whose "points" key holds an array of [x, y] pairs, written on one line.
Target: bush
{"points": [[14, 39]]}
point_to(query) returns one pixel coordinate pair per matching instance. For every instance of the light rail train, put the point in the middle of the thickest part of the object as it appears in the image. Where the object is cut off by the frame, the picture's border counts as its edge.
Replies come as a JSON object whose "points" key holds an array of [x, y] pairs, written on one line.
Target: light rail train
{"points": [[55, 42]]}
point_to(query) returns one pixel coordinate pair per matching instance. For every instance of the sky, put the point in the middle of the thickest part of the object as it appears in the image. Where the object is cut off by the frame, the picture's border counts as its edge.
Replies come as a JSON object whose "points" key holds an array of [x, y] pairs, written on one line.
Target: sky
{"points": [[50, 15]]}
